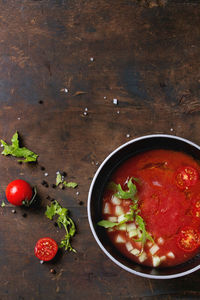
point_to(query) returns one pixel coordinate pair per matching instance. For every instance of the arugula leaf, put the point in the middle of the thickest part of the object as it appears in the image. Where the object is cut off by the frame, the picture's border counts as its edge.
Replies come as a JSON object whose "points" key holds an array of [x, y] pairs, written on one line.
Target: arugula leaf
{"points": [[141, 225], [107, 224], [129, 194], [3, 204], [15, 150], [62, 220], [60, 180], [70, 184]]}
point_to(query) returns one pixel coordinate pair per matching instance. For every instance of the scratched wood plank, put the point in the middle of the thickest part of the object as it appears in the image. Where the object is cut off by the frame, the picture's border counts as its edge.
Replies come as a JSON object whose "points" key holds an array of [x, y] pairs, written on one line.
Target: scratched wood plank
{"points": [[145, 54]]}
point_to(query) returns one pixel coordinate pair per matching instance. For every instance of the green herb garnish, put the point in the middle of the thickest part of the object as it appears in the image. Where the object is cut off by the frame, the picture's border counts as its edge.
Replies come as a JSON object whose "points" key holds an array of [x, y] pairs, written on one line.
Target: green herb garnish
{"points": [[60, 180], [133, 215], [121, 194], [145, 235], [62, 220], [3, 204], [70, 184], [15, 150]]}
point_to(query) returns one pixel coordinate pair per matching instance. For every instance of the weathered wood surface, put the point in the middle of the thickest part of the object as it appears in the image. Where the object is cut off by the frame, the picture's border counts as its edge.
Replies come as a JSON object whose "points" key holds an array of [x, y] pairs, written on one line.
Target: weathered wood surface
{"points": [[146, 54]]}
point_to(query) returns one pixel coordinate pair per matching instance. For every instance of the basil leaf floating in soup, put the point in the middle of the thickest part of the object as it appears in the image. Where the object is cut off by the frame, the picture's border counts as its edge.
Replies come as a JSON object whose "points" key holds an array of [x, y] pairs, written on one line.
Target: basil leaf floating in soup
{"points": [[15, 150]]}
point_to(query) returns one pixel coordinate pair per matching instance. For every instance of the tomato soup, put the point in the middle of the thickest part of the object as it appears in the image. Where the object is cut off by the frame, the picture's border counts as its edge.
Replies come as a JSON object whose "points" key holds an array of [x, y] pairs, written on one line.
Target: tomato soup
{"points": [[151, 208]]}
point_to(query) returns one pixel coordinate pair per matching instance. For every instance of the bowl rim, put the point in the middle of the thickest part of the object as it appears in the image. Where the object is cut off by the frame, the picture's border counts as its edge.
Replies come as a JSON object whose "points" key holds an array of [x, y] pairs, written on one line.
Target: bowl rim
{"points": [[90, 217]]}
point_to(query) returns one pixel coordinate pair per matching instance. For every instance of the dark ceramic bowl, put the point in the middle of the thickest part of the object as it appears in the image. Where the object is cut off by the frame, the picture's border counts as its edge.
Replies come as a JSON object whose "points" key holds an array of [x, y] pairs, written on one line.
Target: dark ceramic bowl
{"points": [[101, 178]]}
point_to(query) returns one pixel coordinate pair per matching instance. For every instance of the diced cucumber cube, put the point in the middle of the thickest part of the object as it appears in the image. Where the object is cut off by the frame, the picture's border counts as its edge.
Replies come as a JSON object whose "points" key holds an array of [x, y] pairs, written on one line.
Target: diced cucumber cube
{"points": [[121, 227], [119, 210], [131, 226], [156, 261], [120, 239], [115, 200], [129, 246], [142, 257], [133, 233]]}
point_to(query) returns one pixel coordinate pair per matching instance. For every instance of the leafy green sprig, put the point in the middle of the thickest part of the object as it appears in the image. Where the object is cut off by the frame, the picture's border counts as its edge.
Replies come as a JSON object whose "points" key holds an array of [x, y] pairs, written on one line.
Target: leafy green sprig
{"points": [[60, 180], [15, 150], [62, 220], [133, 215]]}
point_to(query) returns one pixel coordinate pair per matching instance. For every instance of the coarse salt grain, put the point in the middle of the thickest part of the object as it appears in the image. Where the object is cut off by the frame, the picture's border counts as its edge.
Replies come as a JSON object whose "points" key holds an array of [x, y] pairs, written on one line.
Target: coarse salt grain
{"points": [[66, 90], [46, 174], [171, 129], [91, 58], [115, 101], [86, 109], [104, 97], [128, 135], [85, 113], [18, 118], [77, 193], [118, 112]]}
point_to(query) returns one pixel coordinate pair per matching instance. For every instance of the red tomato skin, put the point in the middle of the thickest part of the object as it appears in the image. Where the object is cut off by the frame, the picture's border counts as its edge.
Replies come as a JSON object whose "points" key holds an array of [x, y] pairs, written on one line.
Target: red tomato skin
{"points": [[46, 249], [18, 191]]}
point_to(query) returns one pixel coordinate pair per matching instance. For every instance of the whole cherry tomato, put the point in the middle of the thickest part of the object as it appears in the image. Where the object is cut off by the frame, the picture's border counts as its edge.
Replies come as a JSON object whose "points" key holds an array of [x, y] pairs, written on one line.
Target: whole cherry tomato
{"points": [[19, 192], [46, 249]]}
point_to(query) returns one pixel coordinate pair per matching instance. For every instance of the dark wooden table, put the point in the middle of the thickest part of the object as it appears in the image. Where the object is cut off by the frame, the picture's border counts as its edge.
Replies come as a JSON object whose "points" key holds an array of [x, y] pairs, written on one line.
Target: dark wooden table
{"points": [[59, 59]]}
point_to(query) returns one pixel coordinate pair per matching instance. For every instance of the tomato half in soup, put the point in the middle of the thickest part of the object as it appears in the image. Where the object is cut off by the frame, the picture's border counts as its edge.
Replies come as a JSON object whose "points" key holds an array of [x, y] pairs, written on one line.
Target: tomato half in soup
{"points": [[188, 239], [186, 176], [168, 203]]}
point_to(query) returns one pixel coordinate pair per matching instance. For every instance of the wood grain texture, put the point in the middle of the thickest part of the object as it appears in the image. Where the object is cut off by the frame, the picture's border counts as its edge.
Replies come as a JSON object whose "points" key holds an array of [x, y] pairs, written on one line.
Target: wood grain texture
{"points": [[146, 56]]}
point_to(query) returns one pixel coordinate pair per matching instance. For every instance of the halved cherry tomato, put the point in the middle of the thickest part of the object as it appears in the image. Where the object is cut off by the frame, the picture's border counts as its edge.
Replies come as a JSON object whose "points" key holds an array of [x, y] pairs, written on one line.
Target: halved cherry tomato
{"points": [[196, 209], [19, 192], [188, 239], [186, 176], [46, 249]]}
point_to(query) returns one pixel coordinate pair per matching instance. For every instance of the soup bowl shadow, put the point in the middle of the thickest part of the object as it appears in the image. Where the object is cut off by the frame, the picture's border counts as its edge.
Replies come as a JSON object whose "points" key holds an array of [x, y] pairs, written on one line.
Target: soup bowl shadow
{"points": [[95, 196]]}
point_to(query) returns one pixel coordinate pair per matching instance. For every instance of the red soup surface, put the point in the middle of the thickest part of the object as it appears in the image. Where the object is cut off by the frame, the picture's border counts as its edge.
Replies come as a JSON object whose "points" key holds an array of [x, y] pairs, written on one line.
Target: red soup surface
{"points": [[154, 203]]}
